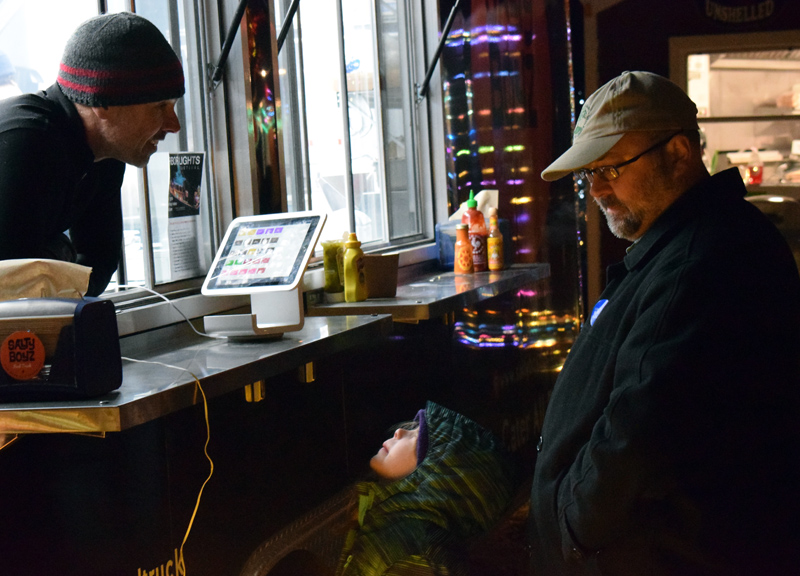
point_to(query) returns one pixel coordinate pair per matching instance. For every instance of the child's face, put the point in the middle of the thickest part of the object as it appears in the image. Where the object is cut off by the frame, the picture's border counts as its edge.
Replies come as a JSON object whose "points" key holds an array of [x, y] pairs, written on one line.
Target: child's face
{"points": [[398, 456]]}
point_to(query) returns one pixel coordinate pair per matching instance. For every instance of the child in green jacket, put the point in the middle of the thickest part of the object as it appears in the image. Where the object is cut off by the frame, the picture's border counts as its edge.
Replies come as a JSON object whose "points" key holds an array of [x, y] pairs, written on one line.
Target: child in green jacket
{"points": [[445, 480]]}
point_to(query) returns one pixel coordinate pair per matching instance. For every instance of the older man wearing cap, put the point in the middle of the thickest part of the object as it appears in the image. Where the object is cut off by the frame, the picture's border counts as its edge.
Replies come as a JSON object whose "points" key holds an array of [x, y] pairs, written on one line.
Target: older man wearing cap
{"points": [[671, 441], [63, 151]]}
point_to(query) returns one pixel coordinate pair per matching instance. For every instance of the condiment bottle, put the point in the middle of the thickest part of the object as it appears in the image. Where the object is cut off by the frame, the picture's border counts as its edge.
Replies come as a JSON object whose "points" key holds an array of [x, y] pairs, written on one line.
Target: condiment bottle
{"points": [[355, 279], [462, 261], [477, 234], [754, 173], [494, 244], [330, 254]]}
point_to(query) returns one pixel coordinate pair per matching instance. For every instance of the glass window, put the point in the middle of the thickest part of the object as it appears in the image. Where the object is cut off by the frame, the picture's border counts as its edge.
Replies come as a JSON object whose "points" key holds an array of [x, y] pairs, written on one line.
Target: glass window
{"points": [[399, 138], [180, 214], [351, 161], [23, 25]]}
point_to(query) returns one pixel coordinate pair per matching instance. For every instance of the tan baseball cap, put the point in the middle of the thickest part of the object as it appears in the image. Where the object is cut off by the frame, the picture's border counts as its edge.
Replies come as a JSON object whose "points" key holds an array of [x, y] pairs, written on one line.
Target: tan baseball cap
{"points": [[631, 102]]}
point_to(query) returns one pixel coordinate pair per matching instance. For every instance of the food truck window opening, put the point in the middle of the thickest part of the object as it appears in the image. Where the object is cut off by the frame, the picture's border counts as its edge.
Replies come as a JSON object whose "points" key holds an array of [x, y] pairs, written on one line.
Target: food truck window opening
{"points": [[383, 184]]}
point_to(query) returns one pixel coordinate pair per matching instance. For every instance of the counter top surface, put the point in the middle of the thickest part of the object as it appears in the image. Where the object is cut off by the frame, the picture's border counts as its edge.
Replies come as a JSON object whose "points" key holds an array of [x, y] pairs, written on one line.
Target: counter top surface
{"points": [[438, 294], [159, 370]]}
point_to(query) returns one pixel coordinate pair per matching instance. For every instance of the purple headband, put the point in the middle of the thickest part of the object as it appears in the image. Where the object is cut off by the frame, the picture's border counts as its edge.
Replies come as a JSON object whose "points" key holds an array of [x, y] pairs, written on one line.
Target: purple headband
{"points": [[422, 436]]}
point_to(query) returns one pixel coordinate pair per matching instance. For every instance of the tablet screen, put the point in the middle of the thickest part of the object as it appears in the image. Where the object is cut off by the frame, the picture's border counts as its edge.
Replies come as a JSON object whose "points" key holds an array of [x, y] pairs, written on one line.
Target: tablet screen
{"points": [[264, 252]]}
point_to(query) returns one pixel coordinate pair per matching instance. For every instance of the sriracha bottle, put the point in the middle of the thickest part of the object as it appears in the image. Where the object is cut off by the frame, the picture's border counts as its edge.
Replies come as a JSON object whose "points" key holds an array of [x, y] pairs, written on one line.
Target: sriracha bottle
{"points": [[477, 234]]}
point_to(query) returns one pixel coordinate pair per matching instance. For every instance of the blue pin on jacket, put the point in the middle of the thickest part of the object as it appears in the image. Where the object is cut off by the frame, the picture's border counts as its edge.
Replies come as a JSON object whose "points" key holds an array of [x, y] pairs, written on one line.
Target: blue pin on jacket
{"points": [[597, 309]]}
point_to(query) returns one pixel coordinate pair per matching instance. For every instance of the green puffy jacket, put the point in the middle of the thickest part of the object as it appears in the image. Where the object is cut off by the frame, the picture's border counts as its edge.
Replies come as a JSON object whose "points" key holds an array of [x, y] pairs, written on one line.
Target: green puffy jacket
{"points": [[419, 524]]}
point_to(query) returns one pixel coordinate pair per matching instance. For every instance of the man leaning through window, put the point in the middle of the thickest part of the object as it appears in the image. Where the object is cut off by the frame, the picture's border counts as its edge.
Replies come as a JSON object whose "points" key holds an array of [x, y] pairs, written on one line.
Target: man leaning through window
{"points": [[63, 150]]}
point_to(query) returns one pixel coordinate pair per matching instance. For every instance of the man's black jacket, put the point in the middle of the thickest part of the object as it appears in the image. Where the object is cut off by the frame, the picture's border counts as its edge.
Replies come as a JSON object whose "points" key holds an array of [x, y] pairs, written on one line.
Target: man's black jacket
{"points": [[50, 184]]}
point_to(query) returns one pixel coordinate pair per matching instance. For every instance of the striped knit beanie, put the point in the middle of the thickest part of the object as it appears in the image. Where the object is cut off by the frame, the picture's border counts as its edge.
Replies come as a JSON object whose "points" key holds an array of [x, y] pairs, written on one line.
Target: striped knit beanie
{"points": [[118, 60]]}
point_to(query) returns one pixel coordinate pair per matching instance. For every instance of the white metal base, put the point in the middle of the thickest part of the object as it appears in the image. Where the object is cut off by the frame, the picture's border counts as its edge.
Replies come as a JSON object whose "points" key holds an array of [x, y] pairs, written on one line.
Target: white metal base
{"points": [[272, 314]]}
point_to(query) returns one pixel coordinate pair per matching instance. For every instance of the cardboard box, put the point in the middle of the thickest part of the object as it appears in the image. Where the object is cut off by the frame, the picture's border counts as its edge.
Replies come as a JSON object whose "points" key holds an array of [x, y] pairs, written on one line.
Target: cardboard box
{"points": [[381, 273]]}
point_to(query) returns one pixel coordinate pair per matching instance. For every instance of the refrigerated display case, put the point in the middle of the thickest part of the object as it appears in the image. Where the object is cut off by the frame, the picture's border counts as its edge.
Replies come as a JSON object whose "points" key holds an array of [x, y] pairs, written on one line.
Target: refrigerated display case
{"points": [[747, 91]]}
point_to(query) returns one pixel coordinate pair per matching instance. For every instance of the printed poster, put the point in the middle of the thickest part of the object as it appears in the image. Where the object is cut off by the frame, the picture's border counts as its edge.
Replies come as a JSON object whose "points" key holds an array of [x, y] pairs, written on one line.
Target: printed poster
{"points": [[185, 176]]}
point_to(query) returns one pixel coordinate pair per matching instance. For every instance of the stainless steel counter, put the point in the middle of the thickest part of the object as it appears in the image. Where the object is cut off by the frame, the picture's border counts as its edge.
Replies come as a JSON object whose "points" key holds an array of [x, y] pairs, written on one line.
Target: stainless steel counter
{"points": [[159, 367], [439, 294], [172, 357]]}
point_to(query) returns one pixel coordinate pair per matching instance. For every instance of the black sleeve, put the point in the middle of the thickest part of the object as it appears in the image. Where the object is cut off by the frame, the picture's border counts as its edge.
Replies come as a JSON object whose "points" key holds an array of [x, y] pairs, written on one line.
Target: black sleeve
{"points": [[97, 232], [29, 207]]}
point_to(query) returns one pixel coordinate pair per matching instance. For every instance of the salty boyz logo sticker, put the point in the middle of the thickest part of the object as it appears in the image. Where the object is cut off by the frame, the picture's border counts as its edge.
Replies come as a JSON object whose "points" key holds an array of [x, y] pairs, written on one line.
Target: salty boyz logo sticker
{"points": [[22, 355]]}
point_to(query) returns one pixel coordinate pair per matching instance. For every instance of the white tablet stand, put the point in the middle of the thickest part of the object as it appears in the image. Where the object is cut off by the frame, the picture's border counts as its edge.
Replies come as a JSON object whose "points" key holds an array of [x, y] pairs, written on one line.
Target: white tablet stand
{"points": [[272, 314], [263, 257]]}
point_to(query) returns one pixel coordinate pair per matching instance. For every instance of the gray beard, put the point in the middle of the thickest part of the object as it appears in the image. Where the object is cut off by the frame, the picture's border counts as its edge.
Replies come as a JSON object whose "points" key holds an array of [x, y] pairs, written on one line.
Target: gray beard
{"points": [[624, 226]]}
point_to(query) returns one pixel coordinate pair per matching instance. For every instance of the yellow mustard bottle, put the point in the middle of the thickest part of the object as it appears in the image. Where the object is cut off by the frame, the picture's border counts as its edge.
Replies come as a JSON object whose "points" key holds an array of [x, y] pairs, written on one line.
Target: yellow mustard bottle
{"points": [[495, 243], [355, 279]]}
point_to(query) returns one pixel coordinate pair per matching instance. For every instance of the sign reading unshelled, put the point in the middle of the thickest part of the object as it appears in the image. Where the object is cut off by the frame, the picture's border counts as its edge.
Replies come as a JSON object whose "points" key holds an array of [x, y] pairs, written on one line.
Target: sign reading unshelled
{"points": [[739, 11]]}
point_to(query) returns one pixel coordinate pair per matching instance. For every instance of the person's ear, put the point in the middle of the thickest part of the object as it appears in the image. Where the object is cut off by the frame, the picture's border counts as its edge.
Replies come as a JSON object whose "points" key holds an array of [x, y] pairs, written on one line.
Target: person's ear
{"points": [[103, 113], [680, 148]]}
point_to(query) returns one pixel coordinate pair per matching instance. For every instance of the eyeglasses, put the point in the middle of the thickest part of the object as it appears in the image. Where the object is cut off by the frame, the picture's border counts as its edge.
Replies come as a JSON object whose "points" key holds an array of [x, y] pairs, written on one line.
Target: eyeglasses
{"points": [[608, 173]]}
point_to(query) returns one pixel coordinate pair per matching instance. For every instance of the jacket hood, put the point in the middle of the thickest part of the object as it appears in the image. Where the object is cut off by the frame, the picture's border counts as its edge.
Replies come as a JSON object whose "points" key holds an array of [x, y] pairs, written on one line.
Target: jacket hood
{"points": [[464, 481]]}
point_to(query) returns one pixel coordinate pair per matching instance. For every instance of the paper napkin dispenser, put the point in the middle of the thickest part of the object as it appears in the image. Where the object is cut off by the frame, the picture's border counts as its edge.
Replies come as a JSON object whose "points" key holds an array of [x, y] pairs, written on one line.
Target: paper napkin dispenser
{"points": [[58, 349]]}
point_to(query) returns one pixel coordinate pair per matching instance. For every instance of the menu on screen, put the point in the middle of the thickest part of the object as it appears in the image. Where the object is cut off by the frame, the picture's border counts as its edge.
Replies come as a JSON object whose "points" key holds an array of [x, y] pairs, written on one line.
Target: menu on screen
{"points": [[261, 254]]}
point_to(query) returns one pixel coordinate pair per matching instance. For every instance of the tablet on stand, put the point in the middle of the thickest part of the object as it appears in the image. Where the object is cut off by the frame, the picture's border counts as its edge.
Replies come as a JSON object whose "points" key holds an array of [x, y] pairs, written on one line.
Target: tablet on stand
{"points": [[264, 257]]}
